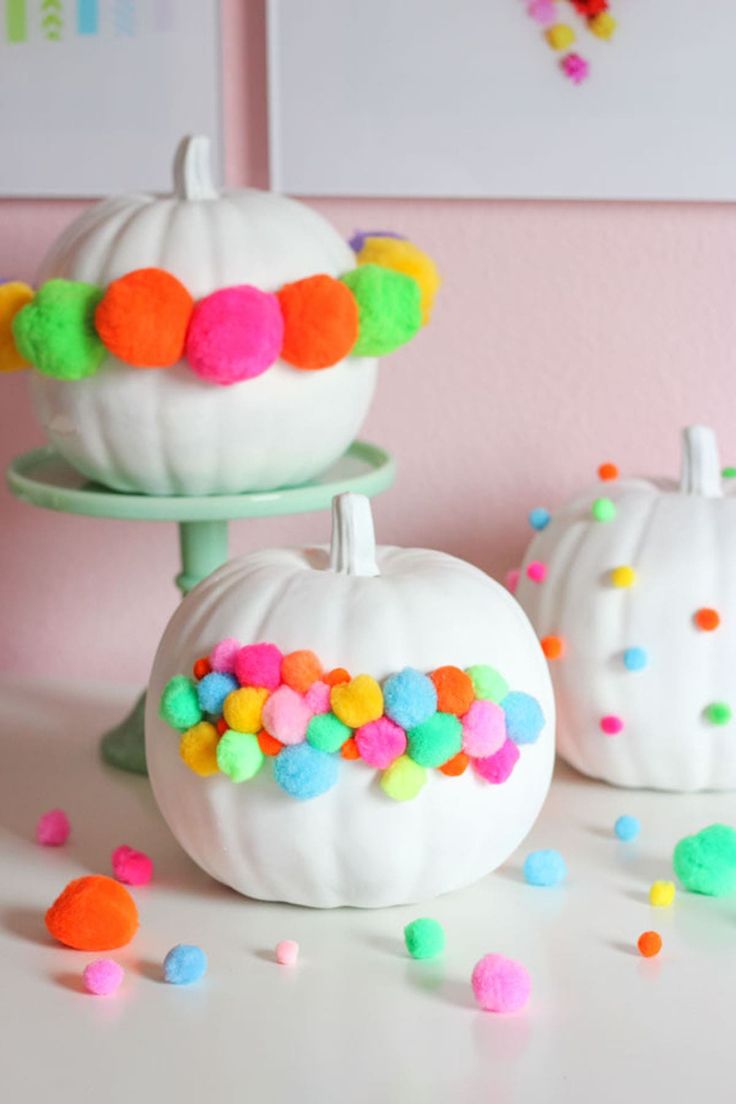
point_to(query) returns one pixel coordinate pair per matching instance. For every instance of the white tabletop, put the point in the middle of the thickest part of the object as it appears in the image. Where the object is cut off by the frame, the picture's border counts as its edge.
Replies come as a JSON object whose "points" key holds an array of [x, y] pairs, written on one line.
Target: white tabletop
{"points": [[356, 1021]]}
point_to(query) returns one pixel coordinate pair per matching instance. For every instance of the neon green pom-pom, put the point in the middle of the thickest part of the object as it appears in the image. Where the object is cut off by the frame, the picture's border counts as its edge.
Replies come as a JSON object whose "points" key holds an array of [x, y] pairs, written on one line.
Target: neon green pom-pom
{"points": [[180, 704], [389, 308], [56, 331], [327, 732], [487, 683], [239, 755], [403, 779], [424, 938], [435, 741], [706, 862], [718, 713], [603, 509]]}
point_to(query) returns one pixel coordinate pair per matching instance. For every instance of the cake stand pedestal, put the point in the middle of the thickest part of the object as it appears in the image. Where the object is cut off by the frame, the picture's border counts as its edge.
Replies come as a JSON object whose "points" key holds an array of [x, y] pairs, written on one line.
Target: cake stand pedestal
{"points": [[43, 478]]}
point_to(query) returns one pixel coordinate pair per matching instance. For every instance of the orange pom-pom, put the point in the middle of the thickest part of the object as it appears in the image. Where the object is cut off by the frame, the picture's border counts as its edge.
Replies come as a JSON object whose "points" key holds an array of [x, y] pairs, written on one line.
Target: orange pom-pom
{"points": [[320, 322], [454, 688], [221, 726], [707, 619], [93, 913], [142, 318], [553, 646], [336, 676], [201, 668], [607, 472], [649, 943], [300, 670], [456, 765], [349, 749], [268, 744]]}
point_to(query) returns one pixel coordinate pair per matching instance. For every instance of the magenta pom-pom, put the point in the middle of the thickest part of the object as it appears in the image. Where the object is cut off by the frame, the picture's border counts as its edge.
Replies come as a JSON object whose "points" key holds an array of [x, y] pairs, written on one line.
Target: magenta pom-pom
{"points": [[102, 977], [500, 984], [575, 68], [222, 656], [536, 571], [286, 716], [380, 742], [484, 729], [53, 828], [259, 665], [497, 768], [131, 867], [234, 334], [611, 725]]}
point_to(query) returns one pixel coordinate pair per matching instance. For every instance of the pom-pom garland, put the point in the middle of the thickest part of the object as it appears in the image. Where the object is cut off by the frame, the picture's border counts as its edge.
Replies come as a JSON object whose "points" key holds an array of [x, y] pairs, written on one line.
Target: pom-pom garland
{"points": [[278, 707]]}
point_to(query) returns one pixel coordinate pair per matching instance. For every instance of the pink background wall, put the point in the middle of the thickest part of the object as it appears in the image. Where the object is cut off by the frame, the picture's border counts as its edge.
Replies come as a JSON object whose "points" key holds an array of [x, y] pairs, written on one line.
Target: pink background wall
{"points": [[565, 334]]}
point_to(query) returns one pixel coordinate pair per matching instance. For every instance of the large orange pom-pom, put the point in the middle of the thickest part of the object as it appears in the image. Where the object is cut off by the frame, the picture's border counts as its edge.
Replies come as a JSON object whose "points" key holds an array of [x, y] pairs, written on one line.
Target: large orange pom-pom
{"points": [[143, 317], [454, 688], [94, 913], [320, 322], [300, 670]]}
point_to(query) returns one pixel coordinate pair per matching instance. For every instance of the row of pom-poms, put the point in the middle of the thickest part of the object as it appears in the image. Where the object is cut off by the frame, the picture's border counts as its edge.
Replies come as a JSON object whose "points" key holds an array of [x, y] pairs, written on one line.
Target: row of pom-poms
{"points": [[261, 703], [148, 319], [560, 36]]}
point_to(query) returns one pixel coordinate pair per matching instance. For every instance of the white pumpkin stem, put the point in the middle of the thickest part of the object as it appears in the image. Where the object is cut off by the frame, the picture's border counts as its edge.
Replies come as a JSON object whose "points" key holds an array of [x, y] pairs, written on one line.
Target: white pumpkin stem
{"points": [[353, 545], [701, 466], [193, 169]]}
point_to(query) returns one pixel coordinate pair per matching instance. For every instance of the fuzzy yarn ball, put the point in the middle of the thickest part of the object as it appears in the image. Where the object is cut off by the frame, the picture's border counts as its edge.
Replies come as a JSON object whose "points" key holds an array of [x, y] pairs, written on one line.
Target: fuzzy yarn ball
{"points": [[409, 698], [304, 771], [327, 733], [143, 316], [243, 709], [94, 913], [454, 688], [14, 295], [222, 656], [389, 309], [320, 322], [524, 717], [185, 963], [500, 984], [380, 742], [259, 665], [403, 256], [102, 977], [487, 683], [180, 703], [497, 768], [287, 952], [424, 938], [55, 332], [198, 749], [53, 828], [544, 868], [239, 755], [357, 702], [440, 738], [484, 729], [213, 689], [627, 828], [286, 716], [706, 862], [130, 866], [403, 780], [300, 670], [234, 334]]}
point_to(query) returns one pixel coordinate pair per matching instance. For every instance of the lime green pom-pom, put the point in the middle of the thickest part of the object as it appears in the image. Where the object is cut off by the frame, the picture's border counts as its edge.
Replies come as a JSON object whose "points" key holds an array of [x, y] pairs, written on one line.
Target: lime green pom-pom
{"points": [[180, 703], [706, 863], [239, 755], [603, 509], [435, 741], [56, 331], [424, 938], [403, 779], [718, 713], [389, 308], [327, 732], [488, 685]]}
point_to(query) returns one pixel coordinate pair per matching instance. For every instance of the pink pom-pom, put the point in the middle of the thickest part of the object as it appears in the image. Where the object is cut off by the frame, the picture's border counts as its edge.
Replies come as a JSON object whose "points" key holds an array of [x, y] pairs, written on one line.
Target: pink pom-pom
{"points": [[512, 579], [575, 68], [234, 334], [497, 768], [130, 866], [222, 656], [53, 828], [286, 716], [102, 977], [259, 665], [484, 729], [380, 742], [287, 952], [611, 725], [500, 984], [536, 571], [542, 12], [317, 697]]}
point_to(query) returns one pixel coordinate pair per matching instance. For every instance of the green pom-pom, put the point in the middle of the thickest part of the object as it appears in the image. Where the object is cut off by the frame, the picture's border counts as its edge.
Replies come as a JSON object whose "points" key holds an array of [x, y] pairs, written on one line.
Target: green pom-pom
{"points": [[435, 741], [56, 331], [180, 703], [403, 779], [706, 862], [389, 308], [487, 683], [327, 732], [239, 755], [603, 509], [424, 938], [729, 473], [718, 713]]}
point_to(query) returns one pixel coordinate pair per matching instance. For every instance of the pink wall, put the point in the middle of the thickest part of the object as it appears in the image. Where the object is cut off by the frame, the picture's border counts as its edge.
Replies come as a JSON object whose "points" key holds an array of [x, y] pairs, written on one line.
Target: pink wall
{"points": [[565, 334]]}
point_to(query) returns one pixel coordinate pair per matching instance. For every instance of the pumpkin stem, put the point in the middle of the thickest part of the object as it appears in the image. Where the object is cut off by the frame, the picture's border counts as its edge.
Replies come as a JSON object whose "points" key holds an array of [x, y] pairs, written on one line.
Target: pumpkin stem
{"points": [[353, 545], [701, 467], [193, 169]]}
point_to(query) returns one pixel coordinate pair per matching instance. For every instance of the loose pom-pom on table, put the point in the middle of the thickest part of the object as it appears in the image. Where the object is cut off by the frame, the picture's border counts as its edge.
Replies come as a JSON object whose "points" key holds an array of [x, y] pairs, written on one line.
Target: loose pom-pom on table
{"points": [[589, 8], [305, 772], [649, 944], [239, 755], [607, 471], [55, 332], [180, 703], [487, 683], [706, 862], [380, 742], [603, 509], [577, 69], [198, 749], [544, 868], [560, 36], [53, 828], [536, 571], [243, 709], [435, 741], [320, 322], [662, 894], [542, 12], [357, 702], [707, 619], [603, 25], [424, 938], [93, 913], [553, 646], [234, 334], [457, 765], [327, 733], [611, 725], [222, 656], [403, 780], [409, 698], [317, 697], [635, 659], [259, 665], [484, 729], [454, 688], [185, 964], [497, 768], [623, 576], [268, 744], [143, 316], [500, 984], [718, 713], [103, 977], [287, 952], [300, 670], [286, 716], [539, 518], [524, 717], [213, 689], [14, 296], [389, 309], [403, 256], [627, 828], [130, 866]]}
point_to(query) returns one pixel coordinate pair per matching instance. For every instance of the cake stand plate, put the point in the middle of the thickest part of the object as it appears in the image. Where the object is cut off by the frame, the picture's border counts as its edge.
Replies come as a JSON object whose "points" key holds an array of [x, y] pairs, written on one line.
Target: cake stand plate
{"points": [[42, 478]]}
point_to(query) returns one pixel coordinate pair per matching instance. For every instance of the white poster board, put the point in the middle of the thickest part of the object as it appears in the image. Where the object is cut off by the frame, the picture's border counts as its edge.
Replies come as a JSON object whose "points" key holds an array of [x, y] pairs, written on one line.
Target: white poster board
{"points": [[95, 94], [465, 98]]}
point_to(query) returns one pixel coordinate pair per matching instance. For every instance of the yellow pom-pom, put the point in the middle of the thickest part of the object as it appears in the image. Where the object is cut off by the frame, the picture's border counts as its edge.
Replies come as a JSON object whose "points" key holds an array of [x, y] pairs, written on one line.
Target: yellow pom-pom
{"points": [[13, 297], [357, 702], [560, 36], [404, 256], [623, 576], [198, 749], [662, 894], [242, 709], [603, 24]]}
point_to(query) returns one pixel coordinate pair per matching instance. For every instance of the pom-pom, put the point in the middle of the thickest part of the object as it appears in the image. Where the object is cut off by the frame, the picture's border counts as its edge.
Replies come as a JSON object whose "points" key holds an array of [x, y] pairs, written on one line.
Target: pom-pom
{"points": [[553, 646], [349, 749], [576, 69], [524, 717], [403, 256], [649, 944], [336, 676], [635, 659], [287, 952], [93, 913], [300, 670], [56, 331], [222, 656], [611, 725], [239, 755], [53, 828], [268, 744], [403, 780], [511, 580], [198, 748], [544, 868], [184, 964], [424, 938], [435, 741], [286, 716], [360, 237], [536, 571], [539, 518], [484, 729], [707, 619], [603, 509], [623, 577], [327, 733], [180, 703], [409, 698], [589, 8], [542, 12], [661, 894], [305, 772], [14, 296], [357, 702], [317, 697], [627, 828], [560, 36], [718, 713], [130, 866], [221, 726], [103, 977], [389, 309], [143, 316], [234, 334], [320, 322], [380, 742], [706, 863], [487, 683], [201, 667], [454, 690], [497, 768], [213, 689], [607, 471], [500, 984], [243, 709], [456, 766], [603, 25], [259, 665]]}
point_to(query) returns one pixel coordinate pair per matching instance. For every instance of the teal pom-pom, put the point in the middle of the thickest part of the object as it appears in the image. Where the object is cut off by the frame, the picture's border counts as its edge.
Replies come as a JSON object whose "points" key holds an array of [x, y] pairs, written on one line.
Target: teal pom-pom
{"points": [[180, 703], [424, 938], [326, 732], [213, 689], [389, 308], [409, 698], [56, 331], [706, 863], [304, 771], [436, 741], [524, 717]]}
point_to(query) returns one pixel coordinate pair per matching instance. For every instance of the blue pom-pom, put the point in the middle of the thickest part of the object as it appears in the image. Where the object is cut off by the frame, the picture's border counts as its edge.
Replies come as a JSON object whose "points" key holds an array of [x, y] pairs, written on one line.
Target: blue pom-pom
{"points": [[524, 717], [305, 771], [635, 659], [213, 689], [627, 828], [184, 964], [539, 518], [544, 868], [409, 698]]}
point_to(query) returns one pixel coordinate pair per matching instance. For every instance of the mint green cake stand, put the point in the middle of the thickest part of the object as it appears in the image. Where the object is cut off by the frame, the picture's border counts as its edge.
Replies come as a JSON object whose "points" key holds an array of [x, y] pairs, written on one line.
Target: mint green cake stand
{"points": [[43, 478]]}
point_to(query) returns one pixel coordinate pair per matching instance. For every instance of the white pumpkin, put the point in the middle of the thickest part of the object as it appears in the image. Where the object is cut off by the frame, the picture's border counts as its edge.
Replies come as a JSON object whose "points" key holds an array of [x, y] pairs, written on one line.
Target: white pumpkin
{"points": [[645, 682], [371, 611], [167, 431]]}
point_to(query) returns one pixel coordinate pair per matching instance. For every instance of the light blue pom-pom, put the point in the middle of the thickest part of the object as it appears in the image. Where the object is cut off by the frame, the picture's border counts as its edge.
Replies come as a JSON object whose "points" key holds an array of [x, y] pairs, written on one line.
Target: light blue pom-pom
{"points": [[544, 868], [409, 698], [627, 828], [184, 964], [524, 717], [213, 689], [635, 659], [539, 518], [304, 771]]}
